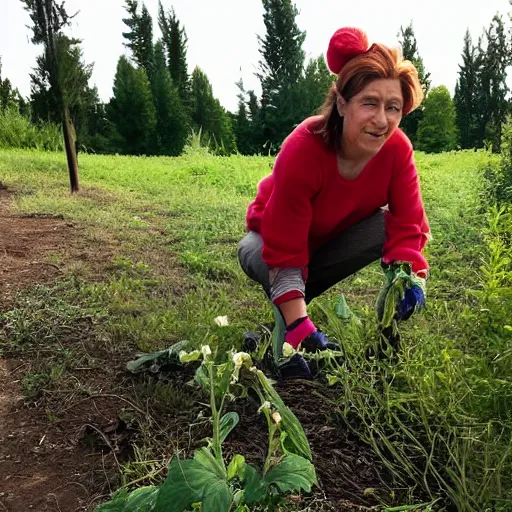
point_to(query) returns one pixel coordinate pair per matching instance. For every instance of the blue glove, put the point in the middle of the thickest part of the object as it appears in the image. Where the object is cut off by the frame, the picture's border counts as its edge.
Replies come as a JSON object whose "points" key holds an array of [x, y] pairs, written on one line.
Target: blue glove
{"points": [[414, 299], [317, 342], [295, 368]]}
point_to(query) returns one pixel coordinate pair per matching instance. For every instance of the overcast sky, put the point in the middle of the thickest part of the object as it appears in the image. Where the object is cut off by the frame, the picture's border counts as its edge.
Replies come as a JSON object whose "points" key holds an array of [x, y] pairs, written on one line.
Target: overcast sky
{"points": [[222, 35]]}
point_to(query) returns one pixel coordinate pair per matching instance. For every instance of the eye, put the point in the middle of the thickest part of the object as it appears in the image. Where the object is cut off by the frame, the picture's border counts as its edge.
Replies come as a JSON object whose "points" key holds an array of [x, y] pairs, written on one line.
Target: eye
{"points": [[394, 108]]}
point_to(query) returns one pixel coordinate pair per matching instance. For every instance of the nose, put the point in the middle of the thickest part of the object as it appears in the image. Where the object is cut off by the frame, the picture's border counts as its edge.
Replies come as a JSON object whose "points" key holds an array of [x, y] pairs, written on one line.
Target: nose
{"points": [[381, 119]]}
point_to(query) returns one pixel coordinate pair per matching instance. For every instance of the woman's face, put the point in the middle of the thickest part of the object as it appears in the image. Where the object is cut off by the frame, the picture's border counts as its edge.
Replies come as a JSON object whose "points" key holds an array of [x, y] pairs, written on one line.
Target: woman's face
{"points": [[370, 118]]}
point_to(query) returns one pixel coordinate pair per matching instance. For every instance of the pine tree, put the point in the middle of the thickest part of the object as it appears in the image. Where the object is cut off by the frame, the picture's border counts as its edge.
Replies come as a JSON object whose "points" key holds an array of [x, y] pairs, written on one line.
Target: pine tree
{"points": [[9, 97], [131, 110], [280, 70], [493, 82], [61, 69], [465, 95], [175, 42], [316, 85], [172, 120], [437, 129], [410, 52], [242, 123], [209, 116], [140, 35]]}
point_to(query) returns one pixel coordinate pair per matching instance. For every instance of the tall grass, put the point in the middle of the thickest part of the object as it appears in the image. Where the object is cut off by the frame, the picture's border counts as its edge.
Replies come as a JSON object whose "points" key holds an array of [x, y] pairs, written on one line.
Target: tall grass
{"points": [[16, 131]]}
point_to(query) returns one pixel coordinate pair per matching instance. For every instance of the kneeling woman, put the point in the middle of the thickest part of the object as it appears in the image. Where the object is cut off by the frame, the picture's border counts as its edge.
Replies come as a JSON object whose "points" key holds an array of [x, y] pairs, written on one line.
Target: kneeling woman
{"points": [[344, 190]]}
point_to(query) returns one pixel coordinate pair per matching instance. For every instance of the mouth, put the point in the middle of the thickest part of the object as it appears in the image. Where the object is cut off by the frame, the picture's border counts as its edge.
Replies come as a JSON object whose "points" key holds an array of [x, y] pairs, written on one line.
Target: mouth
{"points": [[376, 136]]}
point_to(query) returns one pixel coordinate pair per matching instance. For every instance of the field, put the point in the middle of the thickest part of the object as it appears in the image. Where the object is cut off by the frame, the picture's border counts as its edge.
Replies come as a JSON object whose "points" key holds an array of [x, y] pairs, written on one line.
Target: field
{"points": [[145, 256]]}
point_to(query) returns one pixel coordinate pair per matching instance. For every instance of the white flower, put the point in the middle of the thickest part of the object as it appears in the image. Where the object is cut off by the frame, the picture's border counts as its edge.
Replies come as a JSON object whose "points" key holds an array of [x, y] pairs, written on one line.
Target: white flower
{"points": [[240, 359], [221, 321], [206, 351]]}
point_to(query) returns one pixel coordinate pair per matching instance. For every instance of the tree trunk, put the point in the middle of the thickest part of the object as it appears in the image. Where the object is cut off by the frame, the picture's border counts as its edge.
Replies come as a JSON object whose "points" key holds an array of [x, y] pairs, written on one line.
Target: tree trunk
{"points": [[70, 143]]}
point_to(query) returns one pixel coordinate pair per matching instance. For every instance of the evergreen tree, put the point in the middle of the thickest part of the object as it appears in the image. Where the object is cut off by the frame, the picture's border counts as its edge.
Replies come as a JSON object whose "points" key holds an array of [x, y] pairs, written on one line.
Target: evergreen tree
{"points": [[242, 123], [465, 98], [131, 110], [172, 121], [280, 70], [9, 97], [410, 52], [209, 116], [316, 84], [437, 129], [493, 83], [61, 70], [140, 35], [175, 42]]}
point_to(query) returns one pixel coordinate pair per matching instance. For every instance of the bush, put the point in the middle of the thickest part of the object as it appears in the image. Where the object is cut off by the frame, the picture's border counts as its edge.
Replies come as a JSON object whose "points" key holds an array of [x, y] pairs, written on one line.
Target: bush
{"points": [[16, 131]]}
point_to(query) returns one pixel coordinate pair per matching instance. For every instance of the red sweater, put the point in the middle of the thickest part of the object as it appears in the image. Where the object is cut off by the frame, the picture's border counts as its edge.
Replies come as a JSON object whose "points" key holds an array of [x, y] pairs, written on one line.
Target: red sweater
{"points": [[305, 201]]}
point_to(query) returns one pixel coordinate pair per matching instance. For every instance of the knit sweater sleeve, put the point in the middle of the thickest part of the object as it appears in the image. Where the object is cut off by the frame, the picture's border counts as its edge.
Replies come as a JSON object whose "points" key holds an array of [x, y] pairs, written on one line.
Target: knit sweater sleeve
{"points": [[407, 228], [288, 213]]}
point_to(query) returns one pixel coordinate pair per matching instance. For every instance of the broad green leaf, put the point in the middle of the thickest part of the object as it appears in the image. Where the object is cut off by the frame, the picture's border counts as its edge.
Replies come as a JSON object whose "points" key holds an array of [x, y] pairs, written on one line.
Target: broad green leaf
{"points": [[183, 486], [255, 487], [227, 423], [142, 499], [202, 379], [205, 457], [218, 497], [222, 377], [236, 467], [116, 504], [189, 357], [292, 473], [156, 359]]}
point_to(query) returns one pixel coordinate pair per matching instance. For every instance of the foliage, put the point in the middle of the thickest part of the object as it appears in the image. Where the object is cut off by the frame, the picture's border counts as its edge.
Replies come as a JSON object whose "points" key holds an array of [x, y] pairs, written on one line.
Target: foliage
{"points": [[206, 479], [500, 176], [132, 110], [465, 98], [481, 89], [280, 70], [175, 43], [140, 36], [407, 39], [16, 131], [209, 115], [437, 131], [171, 118]]}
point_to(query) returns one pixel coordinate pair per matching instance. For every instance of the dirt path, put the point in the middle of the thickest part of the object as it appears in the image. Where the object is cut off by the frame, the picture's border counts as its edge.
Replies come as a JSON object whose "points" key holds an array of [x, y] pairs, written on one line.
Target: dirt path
{"points": [[43, 466]]}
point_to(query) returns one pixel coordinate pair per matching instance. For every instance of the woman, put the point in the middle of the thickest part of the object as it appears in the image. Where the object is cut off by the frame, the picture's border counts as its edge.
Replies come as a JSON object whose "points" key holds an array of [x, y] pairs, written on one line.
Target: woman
{"points": [[343, 192]]}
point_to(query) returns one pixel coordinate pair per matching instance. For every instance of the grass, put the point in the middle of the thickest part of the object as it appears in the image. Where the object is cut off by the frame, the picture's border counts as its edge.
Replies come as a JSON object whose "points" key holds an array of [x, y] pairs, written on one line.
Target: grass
{"points": [[438, 418]]}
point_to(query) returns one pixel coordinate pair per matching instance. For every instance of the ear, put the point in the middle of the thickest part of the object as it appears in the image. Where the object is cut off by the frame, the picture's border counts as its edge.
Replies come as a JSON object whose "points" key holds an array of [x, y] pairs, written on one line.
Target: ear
{"points": [[341, 105]]}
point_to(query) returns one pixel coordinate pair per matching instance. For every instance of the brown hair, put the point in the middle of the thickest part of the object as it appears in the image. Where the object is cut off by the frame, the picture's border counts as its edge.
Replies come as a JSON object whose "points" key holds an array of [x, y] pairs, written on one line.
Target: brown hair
{"points": [[379, 62]]}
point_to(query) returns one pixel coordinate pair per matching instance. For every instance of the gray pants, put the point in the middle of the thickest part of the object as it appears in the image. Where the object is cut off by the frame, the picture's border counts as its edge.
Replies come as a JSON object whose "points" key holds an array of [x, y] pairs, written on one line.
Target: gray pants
{"points": [[352, 250]]}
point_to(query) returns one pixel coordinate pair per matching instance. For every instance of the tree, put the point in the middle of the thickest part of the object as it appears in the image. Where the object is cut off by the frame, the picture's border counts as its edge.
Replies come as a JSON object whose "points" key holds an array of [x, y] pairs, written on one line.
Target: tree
{"points": [[437, 129], [172, 120], [410, 52], [61, 67], [465, 98], [209, 116], [9, 97], [131, 110], [493, 87], [316, 84], [280, 69], [175, 42], [140, 36]]}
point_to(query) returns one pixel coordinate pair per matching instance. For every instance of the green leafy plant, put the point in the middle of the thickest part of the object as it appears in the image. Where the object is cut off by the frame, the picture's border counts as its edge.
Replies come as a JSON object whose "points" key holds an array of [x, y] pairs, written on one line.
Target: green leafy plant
{"points": [[206, 482]]}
